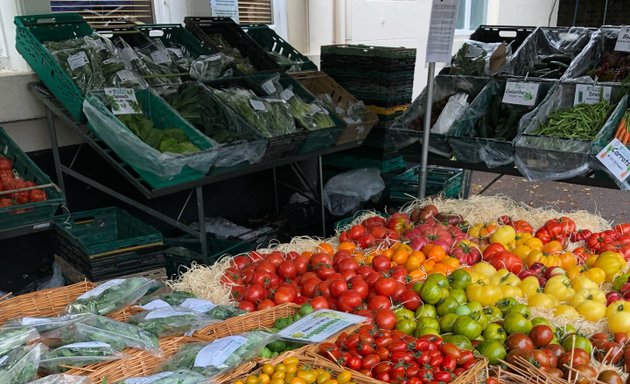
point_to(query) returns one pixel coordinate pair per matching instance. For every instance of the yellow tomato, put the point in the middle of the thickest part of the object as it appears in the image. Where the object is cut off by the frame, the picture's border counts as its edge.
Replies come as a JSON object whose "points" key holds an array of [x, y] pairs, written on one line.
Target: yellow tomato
{"points": [[617, 307], [251, 380], [575, 271], [529, 286], [619, 322], [268, 369], [566, 311], [590, 261], [522, 251], [504, 235], [474, 230], [505, 277], [239, 382], [486, 295], [309, 376], [591, 310], [559, 286], [293, 360], [588, 294], [611, 263], [582, 282], [277, 381], [297, 380], [543, 300], [292, 368], [477, 277], [534, 243], [280, 368], [331, 381], [264, 378], [597, 275], [522, 237], [510, 291], [344, 377], [277, 375], [323, 377], [485, 269]]}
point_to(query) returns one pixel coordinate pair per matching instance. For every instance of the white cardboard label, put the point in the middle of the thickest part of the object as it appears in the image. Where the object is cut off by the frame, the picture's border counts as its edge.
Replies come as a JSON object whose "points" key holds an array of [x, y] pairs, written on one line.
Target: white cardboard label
{"points": [[161, 57], [126, 75], [623, 41], [591, 94], [218, 351], [616, 158], [128, 54], [150, 379], [319, 326], [226, 8], [197, 305], [87, 344], [286, 95], [155, 304], [35, 321], [520, 93], [441, 31], [176, 51], [161, 313], [103, 287], [268, 87], [123, 101], [78, 60], [257, 105]]}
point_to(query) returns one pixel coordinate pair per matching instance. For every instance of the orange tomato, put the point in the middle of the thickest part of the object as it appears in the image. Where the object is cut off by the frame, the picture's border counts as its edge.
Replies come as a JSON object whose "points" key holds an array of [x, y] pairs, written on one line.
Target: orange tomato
{"points": [[388, 253], [417, 275], [326, 248], [567, 260], [434, 252], [552, 247], [452, 262], [307, 254], [415, 260], [488, 230], [441, 268], [400, 256], [347, 246], [534, 243], [428, 265]]}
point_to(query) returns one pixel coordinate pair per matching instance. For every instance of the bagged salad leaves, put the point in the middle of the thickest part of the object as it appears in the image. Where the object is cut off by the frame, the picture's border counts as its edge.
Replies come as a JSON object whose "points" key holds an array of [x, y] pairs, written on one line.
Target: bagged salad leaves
{"points": [[14, 337], [45, 324], [78, 355], [62, 378], [20, 365], [211, 67], [186, 300], [154, 74], [170, 321], [110, 296], [99, 328], [210, 359], [181, 376], [242, 64]]}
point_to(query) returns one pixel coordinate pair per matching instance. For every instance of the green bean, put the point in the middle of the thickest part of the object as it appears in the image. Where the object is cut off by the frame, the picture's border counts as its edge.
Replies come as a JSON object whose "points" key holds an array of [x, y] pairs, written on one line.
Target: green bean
{"points": [[581, 122]]}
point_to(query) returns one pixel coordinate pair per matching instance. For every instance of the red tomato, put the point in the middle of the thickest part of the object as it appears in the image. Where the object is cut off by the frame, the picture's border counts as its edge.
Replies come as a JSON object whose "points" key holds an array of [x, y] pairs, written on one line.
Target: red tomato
{"points": [[385, 286], [348, 301], [255, 293], [301, 263], [319, 302], [493, 249], [379, 302], [359, 285], [347, 265], [319, 260], [246, 306], [284, 295], [338, 287], [241, 261], [37, 195], [325, 273], [354, 363], [5, 164], [323, 289], [265, 304], [308, 286], [265, 279], [381, 263], [356, 232], [386, 319], [287, 270], [265, 266], [366, 241], [275, 258], [372, 278], [364, 270]]}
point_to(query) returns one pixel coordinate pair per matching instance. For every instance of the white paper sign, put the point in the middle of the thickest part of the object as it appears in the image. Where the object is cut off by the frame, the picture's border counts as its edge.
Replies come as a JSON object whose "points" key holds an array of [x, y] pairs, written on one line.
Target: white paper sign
{"points": [[319, 326], [520, 93], [257, 105], [78, 60], [286, 95], [197, 305], [268, 87], [126, 75], [122, 101], [161, 57], [218, 351], [150, 379], [155, 304], [441, 31], [225, 8], [591, 94], [87, 344], [103, 287], [616, 158], [623, 41]]}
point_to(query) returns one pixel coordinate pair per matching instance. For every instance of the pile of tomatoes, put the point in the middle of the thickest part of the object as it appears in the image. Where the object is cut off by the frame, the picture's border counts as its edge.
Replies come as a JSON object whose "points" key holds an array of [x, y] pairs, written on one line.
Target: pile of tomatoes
{"points": [[10, 180], [395, 357]]}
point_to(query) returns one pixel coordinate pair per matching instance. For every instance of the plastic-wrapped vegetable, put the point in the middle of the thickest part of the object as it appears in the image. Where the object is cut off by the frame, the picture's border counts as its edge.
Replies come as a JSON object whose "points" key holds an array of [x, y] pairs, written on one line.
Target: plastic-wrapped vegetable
{"points": [[78, 355], [20, 365], [110, 296], [154, 74], [15, 337], [188, 301], [211, 67], [80, 62], [164, 300], [62, 378], [220, 355], [45, 324], [242, 64], [476, 58], [99, 328], [181, 376], [170, 321]]}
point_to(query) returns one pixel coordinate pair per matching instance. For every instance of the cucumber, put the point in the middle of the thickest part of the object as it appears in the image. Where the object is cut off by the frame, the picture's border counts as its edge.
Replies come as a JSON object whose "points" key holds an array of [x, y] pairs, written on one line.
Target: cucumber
{"points": [[566, 59], [558, 65]]}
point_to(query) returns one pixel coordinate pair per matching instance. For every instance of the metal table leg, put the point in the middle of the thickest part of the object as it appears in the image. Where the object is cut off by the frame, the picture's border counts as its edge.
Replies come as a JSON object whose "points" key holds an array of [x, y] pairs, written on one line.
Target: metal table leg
{"points": [[50, 118], [321, 195], [203, 240], [466, 183]]}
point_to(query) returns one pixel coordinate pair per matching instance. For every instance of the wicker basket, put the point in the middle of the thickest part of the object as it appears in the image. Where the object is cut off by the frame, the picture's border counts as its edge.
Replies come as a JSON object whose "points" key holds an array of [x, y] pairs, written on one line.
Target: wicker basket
{"points": [[47, 302]]}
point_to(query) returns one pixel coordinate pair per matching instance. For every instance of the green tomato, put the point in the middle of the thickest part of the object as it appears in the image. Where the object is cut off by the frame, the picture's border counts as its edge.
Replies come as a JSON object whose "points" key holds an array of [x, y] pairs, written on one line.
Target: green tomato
{"points": [[519, 308], [461, 342], [417, 287], [433, 293], [560, 332], [437, 279], [466, 326], [404, 314], [571, 342], [493, 350], [447, 322], [459, 295], [475, 306], [406, 326], [493, 313], [426, 310], [460, 279], [541, 321], [494, 332], [426, 331], [427, 322], [506, 303], [446, 305], [515, 322], [620, 280], [463, 310], [480, 318]]}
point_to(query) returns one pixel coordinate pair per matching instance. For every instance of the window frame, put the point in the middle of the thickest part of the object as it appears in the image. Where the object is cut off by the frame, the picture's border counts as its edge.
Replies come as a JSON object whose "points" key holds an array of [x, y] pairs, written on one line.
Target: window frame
{"points": [[466, 31]]}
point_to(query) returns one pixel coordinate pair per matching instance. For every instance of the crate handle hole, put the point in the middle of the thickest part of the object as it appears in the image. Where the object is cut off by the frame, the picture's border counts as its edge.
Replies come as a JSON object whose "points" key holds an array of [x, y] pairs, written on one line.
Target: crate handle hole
{"points": [[156, 33], [47, 20], [507, 34]]}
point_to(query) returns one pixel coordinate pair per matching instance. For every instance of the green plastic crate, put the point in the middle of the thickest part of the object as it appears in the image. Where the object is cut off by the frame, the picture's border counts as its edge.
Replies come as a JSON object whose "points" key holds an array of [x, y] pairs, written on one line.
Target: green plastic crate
{"points": [[29, 214], [270, 41], [106, 230], [175, 33], [440, 180], [31, 32]]}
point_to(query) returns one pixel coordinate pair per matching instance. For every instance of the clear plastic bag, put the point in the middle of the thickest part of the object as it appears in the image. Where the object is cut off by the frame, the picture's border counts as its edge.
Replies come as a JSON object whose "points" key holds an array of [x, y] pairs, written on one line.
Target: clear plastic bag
{"points": [[78, 355], [454, 109], [62, 378], [346, 191], [211, 67], [170, 321], [46, 324], [223, 354], [20, 365], [99, 328], [15, 337], [181, 376], [111, 296], [137, 153], [155, 75], [476, 58]]}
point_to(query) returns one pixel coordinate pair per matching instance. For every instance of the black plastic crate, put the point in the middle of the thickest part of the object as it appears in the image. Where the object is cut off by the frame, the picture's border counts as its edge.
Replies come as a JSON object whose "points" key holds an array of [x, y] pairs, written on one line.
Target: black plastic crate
{"points": [[515, 35], [272, 43]]}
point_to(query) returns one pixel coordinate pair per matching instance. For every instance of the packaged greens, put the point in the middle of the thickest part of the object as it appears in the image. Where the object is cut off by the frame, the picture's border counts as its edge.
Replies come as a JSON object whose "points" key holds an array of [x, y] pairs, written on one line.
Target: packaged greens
{"points": [[246, 104], [154, 74], [99, 328], [242, 64], [45, 324], [155, 53], [280, 120], [78, 355], [224, 312], [211, 67], [172, 140], [181, 376], [188, 301], [164, 300], [170, 321], [220, 355], [15, 337], [20, 365], [110, 296], [82, 63], [62, 378]]}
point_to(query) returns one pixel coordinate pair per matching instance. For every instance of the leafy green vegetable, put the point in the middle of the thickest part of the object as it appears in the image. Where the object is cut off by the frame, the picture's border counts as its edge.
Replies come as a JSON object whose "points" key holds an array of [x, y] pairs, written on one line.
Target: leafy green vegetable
{"points": [[45, 324], [78, 355], [224, 312], [181, 376], [62, 378], [172, 140], [15, 337], [241, 63], [20, 365], [171, 298], [467, 63], [169, 321], [110, 296]]}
